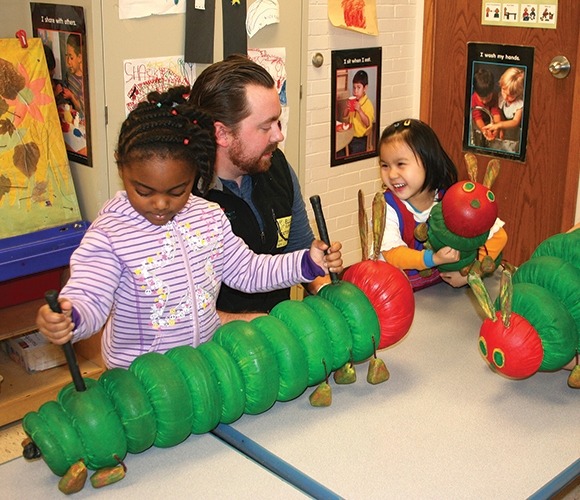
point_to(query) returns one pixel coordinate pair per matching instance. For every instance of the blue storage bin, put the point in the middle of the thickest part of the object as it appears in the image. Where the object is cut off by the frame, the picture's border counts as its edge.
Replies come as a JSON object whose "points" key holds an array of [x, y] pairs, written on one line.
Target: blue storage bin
{"points": [[39, 251]]}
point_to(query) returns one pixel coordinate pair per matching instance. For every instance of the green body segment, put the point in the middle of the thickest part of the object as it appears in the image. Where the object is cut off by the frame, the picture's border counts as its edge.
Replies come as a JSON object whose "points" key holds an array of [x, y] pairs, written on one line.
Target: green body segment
{"points": [[256, 361], [48, 439], [560, 278], [229, 379], [311, 334], [167, 391], [360, 316], [93, 416], [69, 440], [336, 327], [549, 317], [563, 245], [202, 386], [133, 407], [292, 361], [247, 366]]}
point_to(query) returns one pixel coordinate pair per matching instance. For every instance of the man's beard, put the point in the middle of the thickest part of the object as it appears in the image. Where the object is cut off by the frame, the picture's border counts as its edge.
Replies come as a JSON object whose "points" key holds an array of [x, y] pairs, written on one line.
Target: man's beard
{"points": [[250, 165]]}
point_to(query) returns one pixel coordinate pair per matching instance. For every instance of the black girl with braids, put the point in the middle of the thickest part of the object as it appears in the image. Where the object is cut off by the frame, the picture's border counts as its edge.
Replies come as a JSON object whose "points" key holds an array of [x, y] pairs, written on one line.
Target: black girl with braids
{"points": [[151, 265], [165, 126]]}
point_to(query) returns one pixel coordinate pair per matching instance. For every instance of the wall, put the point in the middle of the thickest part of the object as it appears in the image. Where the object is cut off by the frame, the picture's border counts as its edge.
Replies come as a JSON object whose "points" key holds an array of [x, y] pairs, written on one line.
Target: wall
{"points": [[116, 32], [400, 29]]}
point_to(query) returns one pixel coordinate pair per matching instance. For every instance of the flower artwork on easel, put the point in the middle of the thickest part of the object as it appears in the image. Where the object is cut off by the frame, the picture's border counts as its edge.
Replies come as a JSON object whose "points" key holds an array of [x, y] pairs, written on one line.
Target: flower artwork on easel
{"points": [[36, 187]]}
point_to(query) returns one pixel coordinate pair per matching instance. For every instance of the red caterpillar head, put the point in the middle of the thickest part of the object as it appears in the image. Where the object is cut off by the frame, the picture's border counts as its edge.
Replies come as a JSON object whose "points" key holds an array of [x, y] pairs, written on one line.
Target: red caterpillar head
{"points": [[515, 350], [469, 209]]}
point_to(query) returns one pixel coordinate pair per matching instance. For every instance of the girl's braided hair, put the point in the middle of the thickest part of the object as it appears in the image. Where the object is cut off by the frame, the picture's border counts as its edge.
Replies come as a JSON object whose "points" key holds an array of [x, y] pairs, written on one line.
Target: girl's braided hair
{"points": [[165, 127]]}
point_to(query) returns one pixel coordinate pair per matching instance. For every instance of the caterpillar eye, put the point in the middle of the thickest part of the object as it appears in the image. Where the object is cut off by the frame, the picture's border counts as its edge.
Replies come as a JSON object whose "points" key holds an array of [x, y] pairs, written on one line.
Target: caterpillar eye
{"points": [[498, 357], [483, 346], [468, 187]]}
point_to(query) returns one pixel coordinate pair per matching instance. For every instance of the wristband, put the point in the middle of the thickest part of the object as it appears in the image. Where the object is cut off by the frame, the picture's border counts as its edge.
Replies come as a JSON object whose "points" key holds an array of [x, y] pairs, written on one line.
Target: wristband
{"points": [[428, 258]]}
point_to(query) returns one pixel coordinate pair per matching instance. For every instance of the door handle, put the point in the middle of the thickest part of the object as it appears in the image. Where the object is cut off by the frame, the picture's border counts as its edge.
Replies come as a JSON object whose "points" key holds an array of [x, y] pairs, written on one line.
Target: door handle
{"points": [[559, 67], [317, 60]]}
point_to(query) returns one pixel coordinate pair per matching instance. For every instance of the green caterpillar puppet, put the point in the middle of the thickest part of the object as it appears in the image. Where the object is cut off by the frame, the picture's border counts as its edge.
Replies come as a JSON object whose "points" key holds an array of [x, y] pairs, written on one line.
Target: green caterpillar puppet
{"points": [[534, 324], [463, 220], [163, 398]]}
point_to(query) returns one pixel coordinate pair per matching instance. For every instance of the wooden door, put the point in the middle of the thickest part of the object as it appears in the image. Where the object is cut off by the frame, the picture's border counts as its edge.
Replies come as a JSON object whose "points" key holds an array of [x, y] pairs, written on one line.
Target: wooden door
{"points": [[537, 197]]}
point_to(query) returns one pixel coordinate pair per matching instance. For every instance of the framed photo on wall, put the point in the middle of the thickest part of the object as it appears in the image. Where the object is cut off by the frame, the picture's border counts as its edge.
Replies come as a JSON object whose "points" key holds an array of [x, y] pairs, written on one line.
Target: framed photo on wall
{"points": [[497, 99], [62, 31], [356, 83]]}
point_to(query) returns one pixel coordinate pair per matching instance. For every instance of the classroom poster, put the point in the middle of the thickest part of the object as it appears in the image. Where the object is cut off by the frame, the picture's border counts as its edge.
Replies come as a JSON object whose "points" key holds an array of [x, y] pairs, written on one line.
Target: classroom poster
{"points": [[497, 99], [62, 31], [36, 187], [356, 83]]}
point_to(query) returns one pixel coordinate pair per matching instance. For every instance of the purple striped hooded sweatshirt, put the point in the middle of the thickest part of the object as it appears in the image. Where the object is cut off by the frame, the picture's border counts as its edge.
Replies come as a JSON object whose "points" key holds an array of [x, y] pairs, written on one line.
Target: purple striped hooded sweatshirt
{"points": [[155, 287]]}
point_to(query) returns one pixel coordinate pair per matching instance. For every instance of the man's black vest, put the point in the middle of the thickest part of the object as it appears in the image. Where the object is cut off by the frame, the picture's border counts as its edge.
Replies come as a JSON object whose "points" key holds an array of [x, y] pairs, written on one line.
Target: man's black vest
{"points": [[273, 195]]}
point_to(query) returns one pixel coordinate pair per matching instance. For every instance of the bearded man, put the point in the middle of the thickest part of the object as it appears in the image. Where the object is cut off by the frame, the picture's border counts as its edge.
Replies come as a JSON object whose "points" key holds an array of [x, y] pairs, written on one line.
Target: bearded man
{"points": [[255, 185]]}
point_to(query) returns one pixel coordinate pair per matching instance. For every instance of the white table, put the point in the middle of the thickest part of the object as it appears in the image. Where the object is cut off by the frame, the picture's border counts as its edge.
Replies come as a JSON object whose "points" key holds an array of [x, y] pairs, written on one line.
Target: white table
{"points": [[443, 426], [201, 467]]}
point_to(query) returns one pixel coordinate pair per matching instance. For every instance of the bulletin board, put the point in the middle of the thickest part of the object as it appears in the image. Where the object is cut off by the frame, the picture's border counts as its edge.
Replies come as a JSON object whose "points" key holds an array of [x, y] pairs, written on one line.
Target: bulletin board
{"points": [[36, 187]]}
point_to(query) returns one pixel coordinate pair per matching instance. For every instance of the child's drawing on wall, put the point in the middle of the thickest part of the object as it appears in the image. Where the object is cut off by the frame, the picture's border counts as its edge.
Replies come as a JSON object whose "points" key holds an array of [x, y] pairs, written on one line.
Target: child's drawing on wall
{"points": [[356, 15]]}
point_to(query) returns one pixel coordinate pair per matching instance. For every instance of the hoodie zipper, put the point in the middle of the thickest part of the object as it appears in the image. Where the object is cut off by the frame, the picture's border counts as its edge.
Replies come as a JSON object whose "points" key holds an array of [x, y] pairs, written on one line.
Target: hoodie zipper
{"points": [[195, 318]]}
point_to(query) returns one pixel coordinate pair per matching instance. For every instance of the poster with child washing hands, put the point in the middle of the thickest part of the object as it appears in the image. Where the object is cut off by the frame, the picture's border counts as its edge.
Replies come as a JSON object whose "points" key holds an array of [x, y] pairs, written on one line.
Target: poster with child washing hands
{"points": [[497, 99]]}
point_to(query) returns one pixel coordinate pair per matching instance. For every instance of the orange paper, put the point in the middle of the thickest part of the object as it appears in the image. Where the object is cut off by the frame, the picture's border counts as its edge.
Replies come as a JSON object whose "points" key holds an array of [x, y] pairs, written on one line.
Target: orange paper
{"points": [[355, 15]]}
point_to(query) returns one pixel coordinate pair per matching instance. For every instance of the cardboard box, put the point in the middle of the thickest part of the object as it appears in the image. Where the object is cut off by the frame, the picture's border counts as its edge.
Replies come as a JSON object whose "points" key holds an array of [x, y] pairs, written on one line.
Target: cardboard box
{"points": [[34, 352]]}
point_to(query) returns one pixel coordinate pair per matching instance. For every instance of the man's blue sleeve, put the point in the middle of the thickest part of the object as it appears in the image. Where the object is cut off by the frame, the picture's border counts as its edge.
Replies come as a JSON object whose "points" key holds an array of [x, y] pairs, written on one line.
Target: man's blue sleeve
{"points": [[301, 235]]}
